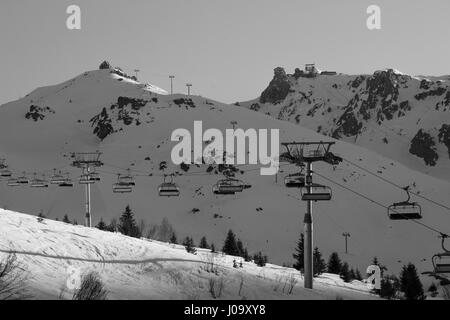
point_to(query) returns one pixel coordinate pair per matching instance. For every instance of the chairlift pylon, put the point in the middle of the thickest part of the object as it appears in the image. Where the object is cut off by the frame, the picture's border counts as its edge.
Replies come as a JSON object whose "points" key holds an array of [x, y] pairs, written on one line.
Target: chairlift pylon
{"points": [[405, 210]]}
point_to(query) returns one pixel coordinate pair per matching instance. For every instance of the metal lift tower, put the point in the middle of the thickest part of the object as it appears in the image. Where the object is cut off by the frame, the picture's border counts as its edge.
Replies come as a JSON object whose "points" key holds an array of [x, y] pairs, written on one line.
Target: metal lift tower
{"points": [[301, 153], [86, 161]]}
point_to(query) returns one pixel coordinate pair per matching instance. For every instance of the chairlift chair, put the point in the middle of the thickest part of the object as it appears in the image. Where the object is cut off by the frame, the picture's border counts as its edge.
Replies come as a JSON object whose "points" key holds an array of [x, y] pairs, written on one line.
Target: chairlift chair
{"points": [[168, 189], [405, 210], [228, 186], [5, 173], [85, 179], [120, 188], [66, 183], [441, 261], [296, 180], [12, 182], [127, 179], [57, 178], [318, 193], [39, 183], [23, 179]]}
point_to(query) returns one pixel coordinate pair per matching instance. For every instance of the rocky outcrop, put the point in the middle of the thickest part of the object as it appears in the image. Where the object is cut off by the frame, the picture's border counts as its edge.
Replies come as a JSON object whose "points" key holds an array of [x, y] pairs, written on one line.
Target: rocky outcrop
{"points": [[424, 146], [102, 125], [37, 113], [348, 125], [278, 88], [444, 136]]}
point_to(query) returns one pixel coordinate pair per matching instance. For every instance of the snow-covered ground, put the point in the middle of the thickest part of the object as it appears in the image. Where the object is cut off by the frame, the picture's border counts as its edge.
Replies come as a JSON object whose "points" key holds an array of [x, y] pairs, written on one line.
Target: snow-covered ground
{"points": [[145, 269]]}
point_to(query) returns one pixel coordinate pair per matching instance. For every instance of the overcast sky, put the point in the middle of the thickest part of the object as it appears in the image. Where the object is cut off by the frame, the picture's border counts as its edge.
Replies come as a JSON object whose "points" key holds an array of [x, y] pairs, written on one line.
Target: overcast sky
{"points": [[226, 48]]}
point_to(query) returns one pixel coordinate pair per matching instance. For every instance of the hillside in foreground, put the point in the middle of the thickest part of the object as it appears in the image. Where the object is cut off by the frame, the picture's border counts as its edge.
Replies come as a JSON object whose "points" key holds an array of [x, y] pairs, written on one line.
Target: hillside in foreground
{"points": [[145, 269]]}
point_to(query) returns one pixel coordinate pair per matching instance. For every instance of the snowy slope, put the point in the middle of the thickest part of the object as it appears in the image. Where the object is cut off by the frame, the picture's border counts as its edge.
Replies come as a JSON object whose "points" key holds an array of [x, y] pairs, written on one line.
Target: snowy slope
{"points": [[136, 134], [402, 117], [144, 269]]}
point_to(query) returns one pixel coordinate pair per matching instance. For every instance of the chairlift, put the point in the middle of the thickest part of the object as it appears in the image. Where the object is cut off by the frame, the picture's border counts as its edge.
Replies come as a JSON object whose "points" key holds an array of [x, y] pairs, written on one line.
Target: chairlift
{"points": [[57, 178], [296, 180], [5, 173], [228, 186], [12, 182], [318, 193], [39, 183], [66, 183], [23, 179], [405, 210], [441, 261], [120, 188], [168, 189], [126, 179]]}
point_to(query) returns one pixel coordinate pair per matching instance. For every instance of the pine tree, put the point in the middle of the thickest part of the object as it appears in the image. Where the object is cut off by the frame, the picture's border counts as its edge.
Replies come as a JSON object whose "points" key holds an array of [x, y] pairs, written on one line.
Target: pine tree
{"points": [[173, 239], [240, 247], [319, 265], [203, 243], [230, 246], [66, 219], [352, 274], [377, 263], [345, 273], [112, 227], [213, 248], [260, 259], [410, 283], [127, 224], [334, 264], [246, 256], [299, 253], [188, 243], [101, 225], [358, 275], [389, 287]]}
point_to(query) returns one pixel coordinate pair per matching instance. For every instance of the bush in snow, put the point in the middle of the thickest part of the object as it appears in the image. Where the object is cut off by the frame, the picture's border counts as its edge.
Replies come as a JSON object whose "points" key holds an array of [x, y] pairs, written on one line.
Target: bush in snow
{"points": [[92, 288], [105, 65], [12, 279]]}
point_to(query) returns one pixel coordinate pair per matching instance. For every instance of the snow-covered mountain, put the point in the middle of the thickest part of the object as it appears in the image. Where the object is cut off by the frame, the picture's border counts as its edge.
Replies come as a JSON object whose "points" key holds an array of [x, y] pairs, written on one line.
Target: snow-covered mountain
{"points": [[132, 123], [54, 253], [403, 117]]}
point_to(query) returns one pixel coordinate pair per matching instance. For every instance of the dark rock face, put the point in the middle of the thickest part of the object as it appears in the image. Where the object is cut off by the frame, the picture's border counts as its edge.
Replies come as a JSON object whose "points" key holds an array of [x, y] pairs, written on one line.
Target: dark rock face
{"points": [[423, 146], [278, 88], [187, 103], [37, 113], [357, 82], [435, 92], [255, 107], [105, 65], [444, 136], [102, 125], [348, 125], [136, 104]]}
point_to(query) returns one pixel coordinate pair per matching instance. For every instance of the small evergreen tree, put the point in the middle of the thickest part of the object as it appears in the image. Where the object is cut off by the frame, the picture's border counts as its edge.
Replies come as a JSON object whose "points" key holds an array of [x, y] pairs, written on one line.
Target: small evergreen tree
{"points": [[358, 275], [230, 246], [389, 287], [240, 247], [299, 253], [127, 224], [173, 239], [66, 219], [213, 248], [410, 283], [334, 263], [112, 227], [319, 265], [377, 263], [102, 225], [203, 243], [352, 274], [105, 65], [246, 256], [345, 272], [260, 259], [433, 290], [188, 243]]}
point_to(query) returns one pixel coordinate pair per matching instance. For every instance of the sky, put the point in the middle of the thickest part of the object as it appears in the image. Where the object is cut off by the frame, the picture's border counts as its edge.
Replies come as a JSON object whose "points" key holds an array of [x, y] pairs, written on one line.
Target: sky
{"points": [[226, 48]]}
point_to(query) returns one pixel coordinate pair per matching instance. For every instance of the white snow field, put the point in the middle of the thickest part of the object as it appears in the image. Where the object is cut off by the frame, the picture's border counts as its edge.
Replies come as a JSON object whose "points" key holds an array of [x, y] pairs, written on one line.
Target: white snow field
{"points": [[267, 217], [144, 269]]}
